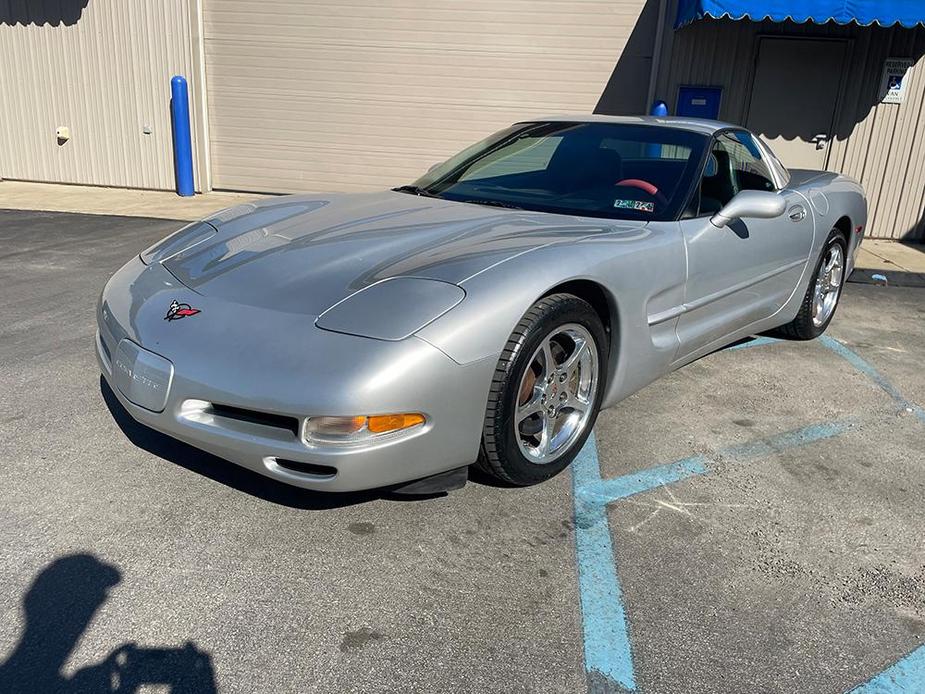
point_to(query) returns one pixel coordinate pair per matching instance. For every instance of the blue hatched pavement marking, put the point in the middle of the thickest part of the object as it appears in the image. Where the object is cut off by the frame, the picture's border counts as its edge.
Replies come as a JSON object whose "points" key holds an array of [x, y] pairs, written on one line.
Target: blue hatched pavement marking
{"points": [[607, 648], [606, 637], [906, 675]]}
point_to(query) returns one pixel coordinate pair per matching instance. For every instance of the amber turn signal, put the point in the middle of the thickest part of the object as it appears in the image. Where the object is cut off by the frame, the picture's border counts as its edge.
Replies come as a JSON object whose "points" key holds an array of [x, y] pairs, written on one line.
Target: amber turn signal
{"points": [[359, 429], [382, 424]]}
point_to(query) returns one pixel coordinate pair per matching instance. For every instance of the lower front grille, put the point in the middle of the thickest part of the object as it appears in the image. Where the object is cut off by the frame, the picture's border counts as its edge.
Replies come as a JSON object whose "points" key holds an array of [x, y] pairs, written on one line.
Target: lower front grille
{"points": [[307, 468], [278, 421]]}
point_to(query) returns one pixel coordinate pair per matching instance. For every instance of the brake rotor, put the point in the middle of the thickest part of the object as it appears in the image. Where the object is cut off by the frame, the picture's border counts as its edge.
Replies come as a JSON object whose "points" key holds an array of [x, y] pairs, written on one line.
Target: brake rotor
{"points": [[526, 388]]}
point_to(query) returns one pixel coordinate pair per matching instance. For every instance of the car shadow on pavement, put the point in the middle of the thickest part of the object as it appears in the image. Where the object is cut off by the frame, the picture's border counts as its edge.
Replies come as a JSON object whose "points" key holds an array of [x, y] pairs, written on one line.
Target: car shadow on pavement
{"points": [[232, 475], [59, 606]]}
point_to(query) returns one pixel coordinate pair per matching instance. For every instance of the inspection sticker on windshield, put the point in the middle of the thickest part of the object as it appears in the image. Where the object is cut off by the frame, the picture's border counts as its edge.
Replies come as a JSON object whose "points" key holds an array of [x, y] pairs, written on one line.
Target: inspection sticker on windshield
{"points": [[635, 205]]}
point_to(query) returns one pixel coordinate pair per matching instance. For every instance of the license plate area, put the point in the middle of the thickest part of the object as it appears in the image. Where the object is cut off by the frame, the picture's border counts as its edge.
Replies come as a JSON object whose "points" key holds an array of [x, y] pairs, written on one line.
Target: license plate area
{"points": [[143, 377]]}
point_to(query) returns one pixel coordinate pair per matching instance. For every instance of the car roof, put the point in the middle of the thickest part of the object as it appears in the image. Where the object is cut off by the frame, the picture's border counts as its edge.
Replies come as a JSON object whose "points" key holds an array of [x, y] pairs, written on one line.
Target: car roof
{"points": [[699, 125]]}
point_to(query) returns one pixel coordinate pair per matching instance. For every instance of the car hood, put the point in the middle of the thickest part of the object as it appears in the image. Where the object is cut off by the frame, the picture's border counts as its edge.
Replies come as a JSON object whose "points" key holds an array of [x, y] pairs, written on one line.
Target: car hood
{"points": [[302, 254]]}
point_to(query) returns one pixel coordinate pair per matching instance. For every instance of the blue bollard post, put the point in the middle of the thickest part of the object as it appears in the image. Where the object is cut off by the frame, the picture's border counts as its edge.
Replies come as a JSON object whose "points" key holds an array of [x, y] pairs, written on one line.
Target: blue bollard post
{"points": [[182, 143], [660, 109]]}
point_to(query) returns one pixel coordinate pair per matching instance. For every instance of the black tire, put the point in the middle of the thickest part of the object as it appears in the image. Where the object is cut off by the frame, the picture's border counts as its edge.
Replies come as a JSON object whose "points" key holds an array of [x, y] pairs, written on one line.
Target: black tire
{"points": [[500, 455], [802, 327]]}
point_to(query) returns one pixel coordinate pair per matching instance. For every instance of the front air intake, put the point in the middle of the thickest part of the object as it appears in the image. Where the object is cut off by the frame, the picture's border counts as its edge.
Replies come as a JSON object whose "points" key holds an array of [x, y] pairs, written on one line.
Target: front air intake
{"points": [[325, 471], [266, 419]]}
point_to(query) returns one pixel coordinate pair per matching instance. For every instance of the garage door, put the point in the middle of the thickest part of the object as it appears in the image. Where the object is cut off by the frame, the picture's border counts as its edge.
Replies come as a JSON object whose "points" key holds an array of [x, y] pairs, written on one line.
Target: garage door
{"points": [[317, 96]]}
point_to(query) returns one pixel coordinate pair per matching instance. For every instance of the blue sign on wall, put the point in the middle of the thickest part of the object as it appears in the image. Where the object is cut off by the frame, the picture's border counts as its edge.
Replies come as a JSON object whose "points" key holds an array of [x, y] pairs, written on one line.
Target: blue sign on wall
{"points": [[699, 102]]}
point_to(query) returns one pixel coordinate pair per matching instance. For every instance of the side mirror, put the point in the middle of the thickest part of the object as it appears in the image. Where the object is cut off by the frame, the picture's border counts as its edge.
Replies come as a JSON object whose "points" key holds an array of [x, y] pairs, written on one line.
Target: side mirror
{"points": [[750, 203]]}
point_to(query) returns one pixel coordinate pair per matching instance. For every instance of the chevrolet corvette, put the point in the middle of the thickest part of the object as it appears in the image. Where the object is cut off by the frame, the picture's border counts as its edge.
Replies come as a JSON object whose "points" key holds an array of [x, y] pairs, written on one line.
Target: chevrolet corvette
{"points": [[481, 315]]}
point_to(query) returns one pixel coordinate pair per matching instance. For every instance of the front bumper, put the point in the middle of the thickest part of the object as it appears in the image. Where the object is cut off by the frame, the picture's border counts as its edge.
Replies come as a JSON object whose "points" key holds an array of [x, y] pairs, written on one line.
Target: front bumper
{"points": [[223, 356]]}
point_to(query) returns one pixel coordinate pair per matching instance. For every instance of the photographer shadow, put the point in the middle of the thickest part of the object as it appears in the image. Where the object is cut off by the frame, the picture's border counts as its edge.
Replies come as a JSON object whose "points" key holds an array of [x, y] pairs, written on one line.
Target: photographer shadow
{"points": [[59, 606]]}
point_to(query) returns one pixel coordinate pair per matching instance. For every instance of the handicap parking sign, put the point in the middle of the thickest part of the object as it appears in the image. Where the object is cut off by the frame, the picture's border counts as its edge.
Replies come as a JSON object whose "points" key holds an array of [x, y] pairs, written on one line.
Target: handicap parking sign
{"points": [[893, 85]]}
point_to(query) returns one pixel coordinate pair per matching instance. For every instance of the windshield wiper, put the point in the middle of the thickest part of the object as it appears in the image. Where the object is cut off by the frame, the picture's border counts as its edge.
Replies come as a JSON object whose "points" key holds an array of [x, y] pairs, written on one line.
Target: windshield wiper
{"points": [[415, 190], [494, 203]]}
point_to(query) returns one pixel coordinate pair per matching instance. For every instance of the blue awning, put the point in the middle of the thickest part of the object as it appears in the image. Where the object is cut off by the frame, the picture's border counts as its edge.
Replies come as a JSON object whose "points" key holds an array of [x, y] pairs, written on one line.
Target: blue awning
{"points": [[907, 13]]}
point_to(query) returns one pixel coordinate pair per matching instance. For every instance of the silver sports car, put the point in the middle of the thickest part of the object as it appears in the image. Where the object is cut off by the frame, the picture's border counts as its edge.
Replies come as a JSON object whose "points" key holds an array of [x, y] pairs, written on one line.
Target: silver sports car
{"points": [[483, 314]]}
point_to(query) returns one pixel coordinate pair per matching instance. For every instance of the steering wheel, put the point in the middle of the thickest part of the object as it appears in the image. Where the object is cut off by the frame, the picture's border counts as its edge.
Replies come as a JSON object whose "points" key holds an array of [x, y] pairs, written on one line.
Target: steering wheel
{"points": [[645, 187]]}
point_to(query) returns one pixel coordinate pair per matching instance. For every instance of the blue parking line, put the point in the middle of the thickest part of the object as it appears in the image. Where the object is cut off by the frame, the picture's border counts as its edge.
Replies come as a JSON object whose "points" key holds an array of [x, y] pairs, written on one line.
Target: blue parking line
{"points": [[905, 676], [607, 491], [606, 635], [868, 370], [857, 361], [593, 489], [789, 439], [606, 639]]}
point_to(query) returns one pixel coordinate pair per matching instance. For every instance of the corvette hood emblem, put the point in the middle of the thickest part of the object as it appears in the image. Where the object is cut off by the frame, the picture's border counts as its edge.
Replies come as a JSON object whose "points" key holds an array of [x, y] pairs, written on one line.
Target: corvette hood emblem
{"points": [[178, 311]]}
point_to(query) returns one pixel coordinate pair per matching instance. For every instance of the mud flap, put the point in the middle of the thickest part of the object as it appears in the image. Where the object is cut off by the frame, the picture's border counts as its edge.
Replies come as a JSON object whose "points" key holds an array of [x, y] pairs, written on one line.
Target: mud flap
{"points": [[435, 484]]}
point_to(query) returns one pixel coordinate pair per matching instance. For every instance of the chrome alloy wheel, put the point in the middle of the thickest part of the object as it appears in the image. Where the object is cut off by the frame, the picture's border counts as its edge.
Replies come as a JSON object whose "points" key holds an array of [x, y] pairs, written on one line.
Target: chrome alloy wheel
{"points": [[556, 394], [828, 284]]}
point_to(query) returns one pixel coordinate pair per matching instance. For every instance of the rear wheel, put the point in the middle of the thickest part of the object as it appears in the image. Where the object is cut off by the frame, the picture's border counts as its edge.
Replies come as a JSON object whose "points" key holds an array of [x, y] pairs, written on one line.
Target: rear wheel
{"points": [[546, 391], [821, 298]]}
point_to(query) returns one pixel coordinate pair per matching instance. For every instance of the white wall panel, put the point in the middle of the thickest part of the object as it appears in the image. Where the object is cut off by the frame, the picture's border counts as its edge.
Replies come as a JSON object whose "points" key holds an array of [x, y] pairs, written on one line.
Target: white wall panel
{"points": [[101, 68], [314, 95]]}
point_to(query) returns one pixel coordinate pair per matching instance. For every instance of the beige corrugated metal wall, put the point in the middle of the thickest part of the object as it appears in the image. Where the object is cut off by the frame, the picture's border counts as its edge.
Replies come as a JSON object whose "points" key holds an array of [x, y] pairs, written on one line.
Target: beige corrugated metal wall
{"points": [[881, 145], [101, 68], [314, 95], [311, 95]]}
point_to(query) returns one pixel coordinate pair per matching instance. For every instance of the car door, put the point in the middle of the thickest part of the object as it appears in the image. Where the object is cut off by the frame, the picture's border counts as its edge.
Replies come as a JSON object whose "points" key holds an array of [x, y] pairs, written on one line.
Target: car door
{"points": [[746, 271]]}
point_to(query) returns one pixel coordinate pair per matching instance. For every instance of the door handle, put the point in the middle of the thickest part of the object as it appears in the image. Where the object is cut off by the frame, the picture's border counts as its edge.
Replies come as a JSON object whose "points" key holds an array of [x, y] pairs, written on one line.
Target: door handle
{"points": [[797, 213]]}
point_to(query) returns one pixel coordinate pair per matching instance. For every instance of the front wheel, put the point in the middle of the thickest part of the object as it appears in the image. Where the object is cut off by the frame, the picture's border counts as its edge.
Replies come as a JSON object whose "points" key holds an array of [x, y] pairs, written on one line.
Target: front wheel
{"points": [[821, 298], [546, 391]]}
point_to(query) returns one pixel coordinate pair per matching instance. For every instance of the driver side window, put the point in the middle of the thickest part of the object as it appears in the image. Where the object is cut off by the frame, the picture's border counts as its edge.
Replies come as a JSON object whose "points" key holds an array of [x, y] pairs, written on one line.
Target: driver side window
{"points": [[734, 164]]}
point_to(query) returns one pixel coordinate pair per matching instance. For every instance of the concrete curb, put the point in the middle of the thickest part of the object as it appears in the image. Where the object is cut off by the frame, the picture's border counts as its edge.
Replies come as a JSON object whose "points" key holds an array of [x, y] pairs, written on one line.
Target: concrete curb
{"points": [[123, 202], [896, 278]]}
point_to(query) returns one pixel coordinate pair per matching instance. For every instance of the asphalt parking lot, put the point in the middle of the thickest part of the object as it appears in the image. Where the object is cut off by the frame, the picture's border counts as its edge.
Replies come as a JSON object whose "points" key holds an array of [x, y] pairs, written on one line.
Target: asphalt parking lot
{"points": [[754, 522]]}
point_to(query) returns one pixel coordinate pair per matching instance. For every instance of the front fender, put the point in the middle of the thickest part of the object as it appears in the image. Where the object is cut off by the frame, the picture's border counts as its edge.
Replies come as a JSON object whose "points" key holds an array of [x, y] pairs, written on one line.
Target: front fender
{"points": [[641, 271]]}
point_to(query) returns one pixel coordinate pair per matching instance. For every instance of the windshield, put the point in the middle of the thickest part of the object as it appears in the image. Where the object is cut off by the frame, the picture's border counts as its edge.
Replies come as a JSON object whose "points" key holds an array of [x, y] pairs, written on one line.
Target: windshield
{"points": [[613, 170]]}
